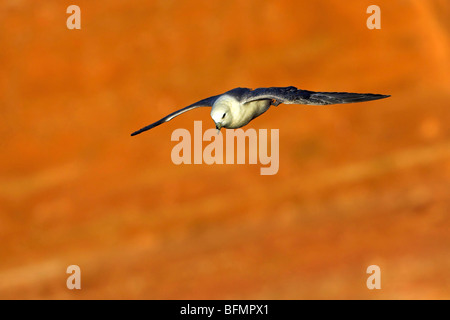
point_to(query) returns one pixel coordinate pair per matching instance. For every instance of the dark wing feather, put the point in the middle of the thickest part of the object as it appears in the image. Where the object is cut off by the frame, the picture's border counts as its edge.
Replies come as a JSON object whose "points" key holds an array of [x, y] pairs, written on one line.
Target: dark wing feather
{"points": [[292, 95], [208, 102]]}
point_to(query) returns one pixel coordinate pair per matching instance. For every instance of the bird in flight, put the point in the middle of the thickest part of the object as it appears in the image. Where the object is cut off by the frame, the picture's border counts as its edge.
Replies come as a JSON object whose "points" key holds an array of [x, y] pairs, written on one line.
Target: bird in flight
{"points": [[237, 107]]}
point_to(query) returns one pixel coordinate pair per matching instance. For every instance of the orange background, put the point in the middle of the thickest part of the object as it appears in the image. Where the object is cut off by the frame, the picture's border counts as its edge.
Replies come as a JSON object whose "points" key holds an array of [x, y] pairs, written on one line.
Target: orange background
{"points": [[358, 184]]}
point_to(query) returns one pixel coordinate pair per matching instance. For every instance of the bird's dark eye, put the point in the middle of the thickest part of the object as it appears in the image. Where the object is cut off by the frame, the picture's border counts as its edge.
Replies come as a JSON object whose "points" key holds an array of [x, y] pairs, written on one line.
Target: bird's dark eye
{"points": [[224, 115]]}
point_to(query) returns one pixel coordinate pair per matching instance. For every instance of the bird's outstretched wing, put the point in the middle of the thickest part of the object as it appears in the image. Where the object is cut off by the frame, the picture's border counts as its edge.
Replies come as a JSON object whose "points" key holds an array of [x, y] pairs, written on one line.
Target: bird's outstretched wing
{"points": [[292, 95], [208, 102]]}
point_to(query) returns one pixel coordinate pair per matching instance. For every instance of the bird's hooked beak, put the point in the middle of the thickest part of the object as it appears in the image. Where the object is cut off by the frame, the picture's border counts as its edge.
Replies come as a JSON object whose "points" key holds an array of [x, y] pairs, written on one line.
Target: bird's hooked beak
{"points": [[218, 127]]}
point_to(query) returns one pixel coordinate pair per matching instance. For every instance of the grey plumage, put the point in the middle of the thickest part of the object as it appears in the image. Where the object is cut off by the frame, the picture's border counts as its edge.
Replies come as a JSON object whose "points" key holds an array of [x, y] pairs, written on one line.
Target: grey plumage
{"points": [[292, 95], [208, 102], [237, 107]]}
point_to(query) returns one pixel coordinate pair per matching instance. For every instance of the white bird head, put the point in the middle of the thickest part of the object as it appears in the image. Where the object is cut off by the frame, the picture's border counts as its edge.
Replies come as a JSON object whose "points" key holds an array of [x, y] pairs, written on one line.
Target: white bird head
{"points": [[221, 111]]}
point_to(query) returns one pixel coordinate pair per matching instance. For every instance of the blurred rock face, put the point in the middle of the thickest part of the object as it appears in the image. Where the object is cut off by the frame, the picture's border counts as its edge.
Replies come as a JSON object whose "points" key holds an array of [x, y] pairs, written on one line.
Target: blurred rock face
{"points": [[357, 184]]}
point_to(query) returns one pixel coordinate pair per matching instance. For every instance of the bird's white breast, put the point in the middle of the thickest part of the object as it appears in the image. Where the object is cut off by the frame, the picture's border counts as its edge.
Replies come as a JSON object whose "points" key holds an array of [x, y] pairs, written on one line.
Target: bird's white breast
{"points": [[241, 113]]}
